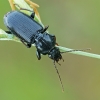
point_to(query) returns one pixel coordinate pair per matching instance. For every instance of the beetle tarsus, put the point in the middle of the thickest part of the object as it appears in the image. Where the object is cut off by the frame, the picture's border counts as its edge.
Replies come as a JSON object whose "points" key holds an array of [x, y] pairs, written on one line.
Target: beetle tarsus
{"points": [[38, 55]]}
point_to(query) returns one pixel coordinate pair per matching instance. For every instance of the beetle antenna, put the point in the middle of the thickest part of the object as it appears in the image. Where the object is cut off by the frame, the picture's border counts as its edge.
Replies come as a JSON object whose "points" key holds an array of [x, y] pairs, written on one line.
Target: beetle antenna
{"points": [[59, 77], [76, 50]]}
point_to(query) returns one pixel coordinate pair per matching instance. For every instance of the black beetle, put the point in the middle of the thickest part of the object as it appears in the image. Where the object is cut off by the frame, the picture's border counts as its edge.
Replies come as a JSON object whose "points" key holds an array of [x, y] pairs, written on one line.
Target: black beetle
{"points": [[30, 32]]}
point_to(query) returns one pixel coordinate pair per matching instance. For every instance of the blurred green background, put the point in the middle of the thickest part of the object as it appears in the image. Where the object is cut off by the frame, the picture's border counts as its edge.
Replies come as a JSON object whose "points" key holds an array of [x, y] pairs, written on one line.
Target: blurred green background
{"points": [[76, 24]]}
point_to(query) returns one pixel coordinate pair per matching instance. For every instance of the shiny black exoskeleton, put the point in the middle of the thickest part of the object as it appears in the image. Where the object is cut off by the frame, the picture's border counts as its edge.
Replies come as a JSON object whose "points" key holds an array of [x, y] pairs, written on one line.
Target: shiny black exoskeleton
{"points": [[31, 32]]}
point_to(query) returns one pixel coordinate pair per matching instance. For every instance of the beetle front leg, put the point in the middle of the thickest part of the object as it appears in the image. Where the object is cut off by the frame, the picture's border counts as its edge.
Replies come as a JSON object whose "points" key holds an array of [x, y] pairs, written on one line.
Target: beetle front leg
{"points": [[38, 55], [12, 4], [26, 44]]}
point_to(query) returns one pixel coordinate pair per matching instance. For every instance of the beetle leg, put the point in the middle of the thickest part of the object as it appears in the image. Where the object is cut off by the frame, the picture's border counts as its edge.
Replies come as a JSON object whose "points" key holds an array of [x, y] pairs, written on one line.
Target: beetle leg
{"points": [[33, 5], [38, 55], [43, 29], [8, 32], [27, 45], [12, 4]]}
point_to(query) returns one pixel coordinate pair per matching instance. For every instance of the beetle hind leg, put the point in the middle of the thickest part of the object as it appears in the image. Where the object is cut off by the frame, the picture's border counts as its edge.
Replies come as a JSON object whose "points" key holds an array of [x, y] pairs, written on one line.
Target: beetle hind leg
{"points": [[12, 4]]}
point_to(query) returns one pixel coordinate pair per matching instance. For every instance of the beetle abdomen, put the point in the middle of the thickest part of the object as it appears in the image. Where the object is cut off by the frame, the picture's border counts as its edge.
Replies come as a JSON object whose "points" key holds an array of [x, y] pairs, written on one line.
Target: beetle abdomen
{"points": [[21, 25]]}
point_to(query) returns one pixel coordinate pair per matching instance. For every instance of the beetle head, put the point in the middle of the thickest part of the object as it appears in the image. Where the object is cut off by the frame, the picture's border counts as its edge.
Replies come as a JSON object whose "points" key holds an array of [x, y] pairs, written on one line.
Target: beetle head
{"points": [[55, 54]]}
